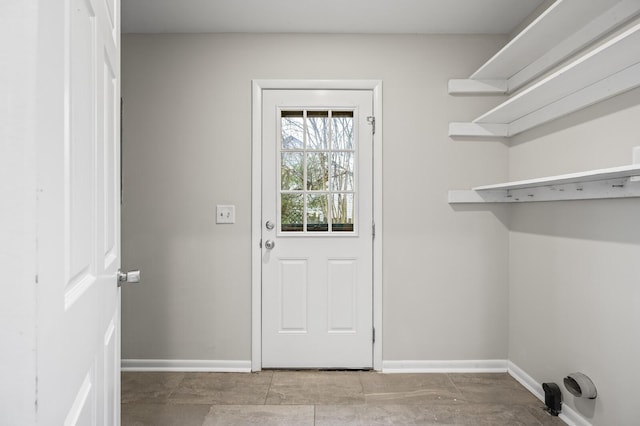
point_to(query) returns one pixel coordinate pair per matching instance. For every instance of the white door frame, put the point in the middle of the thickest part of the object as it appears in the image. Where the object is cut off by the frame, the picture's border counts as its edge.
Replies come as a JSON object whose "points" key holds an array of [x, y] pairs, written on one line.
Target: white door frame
{"points": [[256, 202]]}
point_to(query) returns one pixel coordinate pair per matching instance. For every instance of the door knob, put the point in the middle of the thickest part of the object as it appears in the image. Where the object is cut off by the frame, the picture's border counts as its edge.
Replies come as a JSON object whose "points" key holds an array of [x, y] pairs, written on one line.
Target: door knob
{"points": [[269, 244], [128, 277]]}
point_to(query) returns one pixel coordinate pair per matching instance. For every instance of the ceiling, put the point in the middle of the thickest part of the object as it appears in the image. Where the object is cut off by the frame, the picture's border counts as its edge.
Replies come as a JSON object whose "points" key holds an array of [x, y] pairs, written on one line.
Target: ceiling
{"points": [[326, 16]]}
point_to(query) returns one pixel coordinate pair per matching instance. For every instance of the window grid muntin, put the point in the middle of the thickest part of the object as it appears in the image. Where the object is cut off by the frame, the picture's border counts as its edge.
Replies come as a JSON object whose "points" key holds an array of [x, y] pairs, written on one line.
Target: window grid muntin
{"points": [[328, 193]]}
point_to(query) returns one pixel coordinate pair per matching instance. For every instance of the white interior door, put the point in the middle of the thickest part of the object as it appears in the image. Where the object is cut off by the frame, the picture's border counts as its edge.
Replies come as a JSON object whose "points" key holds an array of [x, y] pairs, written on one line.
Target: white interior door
{"points": [[317, 224], [79, 218]]}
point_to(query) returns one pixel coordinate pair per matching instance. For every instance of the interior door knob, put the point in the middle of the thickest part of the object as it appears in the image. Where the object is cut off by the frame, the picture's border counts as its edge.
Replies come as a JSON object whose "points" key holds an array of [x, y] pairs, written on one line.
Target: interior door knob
{"points": [[128, 277], [269, 244]]}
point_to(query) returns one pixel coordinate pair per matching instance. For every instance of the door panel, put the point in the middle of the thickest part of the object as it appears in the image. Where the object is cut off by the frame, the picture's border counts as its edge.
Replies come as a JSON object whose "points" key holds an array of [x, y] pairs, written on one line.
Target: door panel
{"points": [[79, 156], [110, 186], [292, 285], [317, 258], [342, 297], [84, 405]]}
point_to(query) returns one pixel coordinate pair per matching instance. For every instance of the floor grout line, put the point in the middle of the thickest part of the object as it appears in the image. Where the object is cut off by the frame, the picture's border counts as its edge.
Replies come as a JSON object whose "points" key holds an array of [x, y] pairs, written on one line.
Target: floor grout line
{"points": [[176, 387], [364, 396], [454, 385], [266, 396]]}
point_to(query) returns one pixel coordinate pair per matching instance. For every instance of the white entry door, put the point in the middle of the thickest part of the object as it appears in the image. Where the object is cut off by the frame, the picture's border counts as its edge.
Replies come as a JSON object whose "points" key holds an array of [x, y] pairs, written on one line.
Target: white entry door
{"points": [[317, 238], [78, 310]]}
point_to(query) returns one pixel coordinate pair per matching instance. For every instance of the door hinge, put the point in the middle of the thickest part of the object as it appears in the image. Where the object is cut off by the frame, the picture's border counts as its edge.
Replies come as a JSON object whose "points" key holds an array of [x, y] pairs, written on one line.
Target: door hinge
{"points": [[372, 120], [373, 230], [374, 335]]}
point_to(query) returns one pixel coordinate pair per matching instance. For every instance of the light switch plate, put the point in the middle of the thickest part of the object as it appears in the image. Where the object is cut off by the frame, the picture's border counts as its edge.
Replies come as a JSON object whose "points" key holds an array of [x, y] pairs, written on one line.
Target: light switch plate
{"points": [[225, 214]]}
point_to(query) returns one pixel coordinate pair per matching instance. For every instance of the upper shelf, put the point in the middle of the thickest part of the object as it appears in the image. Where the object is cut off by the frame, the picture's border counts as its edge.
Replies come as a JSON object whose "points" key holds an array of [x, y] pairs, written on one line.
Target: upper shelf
{"points": [[560, 31], [615, 182], [608, 70]]}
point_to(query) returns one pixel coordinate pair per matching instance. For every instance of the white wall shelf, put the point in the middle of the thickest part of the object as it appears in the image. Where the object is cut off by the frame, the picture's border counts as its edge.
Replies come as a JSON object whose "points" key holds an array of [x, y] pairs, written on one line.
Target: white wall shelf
{"points": [[615, 182], [559, 32], [595, 49], [608, 70]]}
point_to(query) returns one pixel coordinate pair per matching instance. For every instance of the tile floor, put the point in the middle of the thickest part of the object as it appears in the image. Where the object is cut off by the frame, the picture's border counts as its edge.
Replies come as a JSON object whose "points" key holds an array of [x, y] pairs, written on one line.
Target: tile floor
{"points": [[328, 398]]}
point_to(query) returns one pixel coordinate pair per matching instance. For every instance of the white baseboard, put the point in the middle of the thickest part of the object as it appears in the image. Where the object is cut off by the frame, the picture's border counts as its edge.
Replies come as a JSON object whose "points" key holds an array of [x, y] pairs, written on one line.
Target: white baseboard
{"points": [[455, 366], [567, 414], [186, 365], [526, 380]]}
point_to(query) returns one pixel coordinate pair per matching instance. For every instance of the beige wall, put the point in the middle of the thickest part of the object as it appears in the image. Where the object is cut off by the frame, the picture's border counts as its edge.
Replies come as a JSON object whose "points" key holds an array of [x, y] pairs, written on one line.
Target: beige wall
{"points": [[186, 144], [574, 295]]}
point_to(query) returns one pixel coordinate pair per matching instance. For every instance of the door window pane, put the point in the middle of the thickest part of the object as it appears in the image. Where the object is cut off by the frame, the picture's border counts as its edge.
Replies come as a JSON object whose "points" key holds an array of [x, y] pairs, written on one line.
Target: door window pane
{"points": [[342, 171], [317, 171], [292, 212], [292, 125], [342, 210], [317, 129], [317, 217], [342, 130], [291, 171]]}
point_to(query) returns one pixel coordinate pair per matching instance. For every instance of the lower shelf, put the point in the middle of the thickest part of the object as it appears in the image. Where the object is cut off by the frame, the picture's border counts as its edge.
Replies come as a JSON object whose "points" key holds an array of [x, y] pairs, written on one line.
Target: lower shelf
{"points": [[615, 182]]}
